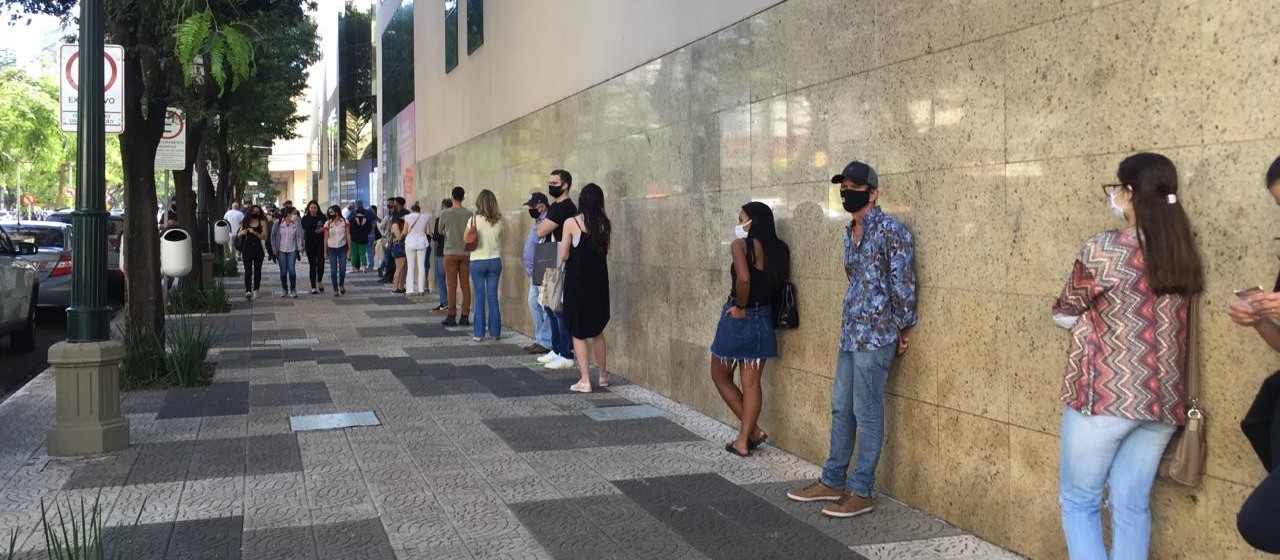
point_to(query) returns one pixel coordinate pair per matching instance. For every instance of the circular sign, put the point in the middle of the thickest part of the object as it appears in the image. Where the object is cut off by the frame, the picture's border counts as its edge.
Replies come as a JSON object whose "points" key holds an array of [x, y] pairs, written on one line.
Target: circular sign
{"points": [[174, 116], [111, 71], [28, 200]]}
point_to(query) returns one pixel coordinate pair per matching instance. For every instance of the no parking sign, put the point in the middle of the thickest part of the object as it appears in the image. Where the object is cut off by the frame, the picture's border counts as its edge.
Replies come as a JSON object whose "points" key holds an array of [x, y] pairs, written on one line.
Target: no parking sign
{"points": [[112, 88]]}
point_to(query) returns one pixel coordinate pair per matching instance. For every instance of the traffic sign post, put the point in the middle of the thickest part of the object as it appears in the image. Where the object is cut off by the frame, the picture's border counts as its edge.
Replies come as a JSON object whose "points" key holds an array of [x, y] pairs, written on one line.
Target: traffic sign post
{"points": [[172, 151], [112, 87]]}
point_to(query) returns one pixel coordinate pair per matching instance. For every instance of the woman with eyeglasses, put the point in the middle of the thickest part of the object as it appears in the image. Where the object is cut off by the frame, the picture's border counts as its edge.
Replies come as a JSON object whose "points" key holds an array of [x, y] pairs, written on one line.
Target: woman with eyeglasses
{"points": [[1126, 304]]}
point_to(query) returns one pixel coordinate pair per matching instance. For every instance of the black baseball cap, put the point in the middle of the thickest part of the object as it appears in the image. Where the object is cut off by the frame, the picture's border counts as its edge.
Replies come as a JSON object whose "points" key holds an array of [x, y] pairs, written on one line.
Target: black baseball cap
{"points": [[536, 199], [858, 172]]}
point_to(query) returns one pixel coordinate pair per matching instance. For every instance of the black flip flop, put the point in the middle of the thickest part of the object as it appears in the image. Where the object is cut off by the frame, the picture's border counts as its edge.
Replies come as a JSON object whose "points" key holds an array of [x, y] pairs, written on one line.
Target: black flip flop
{"points": [[729, 447], [754, 443]]}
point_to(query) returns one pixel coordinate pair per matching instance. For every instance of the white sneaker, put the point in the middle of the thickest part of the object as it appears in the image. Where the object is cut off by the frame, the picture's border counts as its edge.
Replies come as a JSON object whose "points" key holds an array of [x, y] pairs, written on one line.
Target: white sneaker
{"points": [[548, 357], [293, 294], [560, 363]]}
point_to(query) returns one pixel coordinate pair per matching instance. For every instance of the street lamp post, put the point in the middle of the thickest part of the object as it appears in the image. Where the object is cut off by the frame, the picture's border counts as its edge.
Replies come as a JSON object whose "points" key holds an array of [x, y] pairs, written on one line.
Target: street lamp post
{"points": [[87, 419]]}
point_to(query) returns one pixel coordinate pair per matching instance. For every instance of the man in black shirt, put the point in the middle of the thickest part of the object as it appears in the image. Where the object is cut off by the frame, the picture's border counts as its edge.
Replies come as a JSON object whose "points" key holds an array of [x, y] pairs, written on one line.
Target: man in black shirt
{"points": [[562, 210]]}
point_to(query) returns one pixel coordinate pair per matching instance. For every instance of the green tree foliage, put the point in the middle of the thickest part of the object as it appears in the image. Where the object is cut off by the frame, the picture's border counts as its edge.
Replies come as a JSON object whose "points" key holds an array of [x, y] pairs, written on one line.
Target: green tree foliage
{"points": [[223, 51]]}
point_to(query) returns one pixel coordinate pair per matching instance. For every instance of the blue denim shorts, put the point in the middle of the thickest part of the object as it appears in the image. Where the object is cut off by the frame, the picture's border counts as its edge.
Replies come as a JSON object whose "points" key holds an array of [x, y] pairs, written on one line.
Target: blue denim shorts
{"points": [[747, 339]]}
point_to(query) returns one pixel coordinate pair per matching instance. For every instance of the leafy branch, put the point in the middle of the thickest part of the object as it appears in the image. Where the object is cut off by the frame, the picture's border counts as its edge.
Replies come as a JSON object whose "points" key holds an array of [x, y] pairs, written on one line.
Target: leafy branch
{"points": [[226, 49]]}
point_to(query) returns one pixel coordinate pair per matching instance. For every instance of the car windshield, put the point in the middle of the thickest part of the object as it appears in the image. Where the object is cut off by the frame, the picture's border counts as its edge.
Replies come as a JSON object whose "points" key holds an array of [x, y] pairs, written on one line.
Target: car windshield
{"points": [[43, 237]]}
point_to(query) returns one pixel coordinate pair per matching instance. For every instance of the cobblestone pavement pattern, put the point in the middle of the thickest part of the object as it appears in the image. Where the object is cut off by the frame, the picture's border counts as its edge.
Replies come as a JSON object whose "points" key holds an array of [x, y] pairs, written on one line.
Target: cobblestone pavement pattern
{"points": [[480, 455]]}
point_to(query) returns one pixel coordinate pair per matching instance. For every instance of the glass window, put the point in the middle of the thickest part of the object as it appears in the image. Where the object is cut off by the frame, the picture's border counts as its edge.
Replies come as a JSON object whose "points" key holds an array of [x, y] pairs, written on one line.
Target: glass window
{"points": [[450, 35], [41, 236], [475, 25]]}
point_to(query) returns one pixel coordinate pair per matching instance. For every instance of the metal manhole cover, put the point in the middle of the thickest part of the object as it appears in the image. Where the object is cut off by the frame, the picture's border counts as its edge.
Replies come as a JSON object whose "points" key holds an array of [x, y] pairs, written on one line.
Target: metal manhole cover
{"points": [[335, 421], [291, 342]]}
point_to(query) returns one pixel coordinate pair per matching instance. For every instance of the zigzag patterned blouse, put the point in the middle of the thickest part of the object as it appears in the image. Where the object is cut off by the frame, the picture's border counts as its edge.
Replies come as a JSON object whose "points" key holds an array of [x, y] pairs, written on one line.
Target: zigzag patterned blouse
{"points": [[1127, 350]]}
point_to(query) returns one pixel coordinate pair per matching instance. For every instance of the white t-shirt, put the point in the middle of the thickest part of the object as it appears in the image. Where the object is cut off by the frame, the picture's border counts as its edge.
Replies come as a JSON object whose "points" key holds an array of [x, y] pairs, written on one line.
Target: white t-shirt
{"points": [[336, 234], [234, 217], [417, 238]]}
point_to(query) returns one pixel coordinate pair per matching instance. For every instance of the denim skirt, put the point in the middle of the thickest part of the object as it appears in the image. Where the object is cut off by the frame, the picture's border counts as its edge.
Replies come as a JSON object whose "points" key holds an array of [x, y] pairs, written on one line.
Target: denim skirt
{"points": [[751, 338]]}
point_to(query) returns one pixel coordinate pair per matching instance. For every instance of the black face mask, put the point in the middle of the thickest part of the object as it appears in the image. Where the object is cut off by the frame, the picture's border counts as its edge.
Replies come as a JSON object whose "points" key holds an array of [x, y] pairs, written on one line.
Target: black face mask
{"points": [[534, 213], [855, 200], [555, 191]]}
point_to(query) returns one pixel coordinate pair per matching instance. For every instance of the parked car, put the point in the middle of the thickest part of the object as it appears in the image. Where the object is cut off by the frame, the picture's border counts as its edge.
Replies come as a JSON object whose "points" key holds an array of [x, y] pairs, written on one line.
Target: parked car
{"points": [[115, 237], [52, 258], [19, 292]]}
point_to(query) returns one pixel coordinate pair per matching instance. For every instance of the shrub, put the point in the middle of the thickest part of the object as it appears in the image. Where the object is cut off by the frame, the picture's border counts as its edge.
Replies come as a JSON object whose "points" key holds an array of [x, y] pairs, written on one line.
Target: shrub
{"points": [[224, 264], [143, 362], [193, 299], [187, 343]]}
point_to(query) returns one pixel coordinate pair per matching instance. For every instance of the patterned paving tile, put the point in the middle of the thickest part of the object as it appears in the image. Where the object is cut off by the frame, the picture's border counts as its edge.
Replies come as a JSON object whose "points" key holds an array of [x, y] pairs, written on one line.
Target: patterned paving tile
{"points": [[479, 456], [945, 548], [219, 399], [549, 433]]}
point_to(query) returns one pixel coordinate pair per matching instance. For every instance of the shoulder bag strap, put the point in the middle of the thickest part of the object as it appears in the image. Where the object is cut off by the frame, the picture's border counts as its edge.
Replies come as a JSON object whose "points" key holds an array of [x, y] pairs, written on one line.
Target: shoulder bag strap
{"points": [[1193, 352]]}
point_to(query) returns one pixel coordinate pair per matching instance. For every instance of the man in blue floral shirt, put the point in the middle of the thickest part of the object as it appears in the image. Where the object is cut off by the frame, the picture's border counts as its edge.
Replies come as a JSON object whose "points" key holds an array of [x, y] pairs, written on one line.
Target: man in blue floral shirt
{"points": [[879, 312]]}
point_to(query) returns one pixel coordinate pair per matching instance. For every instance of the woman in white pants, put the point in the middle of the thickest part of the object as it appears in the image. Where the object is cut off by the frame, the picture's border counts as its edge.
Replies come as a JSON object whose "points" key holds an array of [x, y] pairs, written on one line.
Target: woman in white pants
{"points": [[416, 248]]}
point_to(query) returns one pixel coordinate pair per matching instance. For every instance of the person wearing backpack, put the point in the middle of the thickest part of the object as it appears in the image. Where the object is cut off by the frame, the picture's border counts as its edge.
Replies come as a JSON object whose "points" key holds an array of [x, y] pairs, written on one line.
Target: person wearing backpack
{"points": [[879, 312], [745, 336]]}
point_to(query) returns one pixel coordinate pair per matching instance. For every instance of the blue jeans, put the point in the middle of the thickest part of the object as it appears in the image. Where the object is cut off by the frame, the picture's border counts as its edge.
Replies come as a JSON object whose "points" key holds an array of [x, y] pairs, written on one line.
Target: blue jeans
{"points": [[1118, 453], [541, 323], [288, 270], [338, 267], [440, 282], [857, 408], [369, 250], [485, 275], [561, 340]]}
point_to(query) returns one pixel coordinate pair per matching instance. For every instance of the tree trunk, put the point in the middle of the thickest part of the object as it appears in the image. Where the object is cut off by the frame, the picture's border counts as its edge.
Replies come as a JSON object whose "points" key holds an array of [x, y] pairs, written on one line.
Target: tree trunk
{"points": [[61, 199], [184, 191], [144, 309]]}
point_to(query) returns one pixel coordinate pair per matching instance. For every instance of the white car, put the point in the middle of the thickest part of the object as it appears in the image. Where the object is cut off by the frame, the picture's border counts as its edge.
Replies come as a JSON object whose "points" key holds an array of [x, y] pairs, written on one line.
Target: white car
{"points": [[19, 293]]}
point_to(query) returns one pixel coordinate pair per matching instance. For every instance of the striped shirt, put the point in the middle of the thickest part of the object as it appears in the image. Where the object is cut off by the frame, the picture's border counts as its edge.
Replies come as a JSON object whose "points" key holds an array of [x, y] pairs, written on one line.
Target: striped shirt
{"points": [[1128, 349]]}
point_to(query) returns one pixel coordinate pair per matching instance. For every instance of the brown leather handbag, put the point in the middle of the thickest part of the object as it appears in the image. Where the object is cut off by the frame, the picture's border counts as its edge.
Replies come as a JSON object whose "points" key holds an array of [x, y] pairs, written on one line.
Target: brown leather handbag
{"points": [[1183, 461], [470, 237]]}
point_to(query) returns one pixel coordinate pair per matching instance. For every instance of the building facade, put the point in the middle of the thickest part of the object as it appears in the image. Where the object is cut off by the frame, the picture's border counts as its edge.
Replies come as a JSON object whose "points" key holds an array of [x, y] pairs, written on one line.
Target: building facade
{"points": [[991, 124]]}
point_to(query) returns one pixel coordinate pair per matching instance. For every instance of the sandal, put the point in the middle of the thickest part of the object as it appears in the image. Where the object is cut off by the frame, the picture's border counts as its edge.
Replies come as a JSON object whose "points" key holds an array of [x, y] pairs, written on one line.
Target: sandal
{"points": [[580, 387], [731, 449], [604, 382], [754, 443]]}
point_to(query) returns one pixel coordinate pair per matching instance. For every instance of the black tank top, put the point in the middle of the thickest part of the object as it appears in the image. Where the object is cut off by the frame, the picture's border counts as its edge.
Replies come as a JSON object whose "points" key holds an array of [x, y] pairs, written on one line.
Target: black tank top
{"points": [[759, 280]]}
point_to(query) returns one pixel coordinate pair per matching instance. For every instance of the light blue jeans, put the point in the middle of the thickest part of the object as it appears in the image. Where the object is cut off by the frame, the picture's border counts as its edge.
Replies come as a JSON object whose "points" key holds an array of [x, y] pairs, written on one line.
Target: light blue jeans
{"points": [[857, 409], [1122, 455], [485, 277], [288, 270], [541, 322]]}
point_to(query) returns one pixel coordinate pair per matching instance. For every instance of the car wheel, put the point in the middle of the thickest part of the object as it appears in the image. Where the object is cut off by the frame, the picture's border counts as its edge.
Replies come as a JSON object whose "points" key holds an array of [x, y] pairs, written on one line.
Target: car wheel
{"points": [[25, 339]]}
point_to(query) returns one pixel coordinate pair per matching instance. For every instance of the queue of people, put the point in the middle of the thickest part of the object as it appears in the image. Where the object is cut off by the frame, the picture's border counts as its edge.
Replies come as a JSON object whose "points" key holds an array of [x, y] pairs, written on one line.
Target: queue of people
{"points": [[1127, 306]]}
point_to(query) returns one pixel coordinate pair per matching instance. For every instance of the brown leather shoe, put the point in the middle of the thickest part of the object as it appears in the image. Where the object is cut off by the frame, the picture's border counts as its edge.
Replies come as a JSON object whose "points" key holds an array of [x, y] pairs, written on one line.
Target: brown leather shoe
{"points": [[815, 492], [537, 349], [849, 505]]}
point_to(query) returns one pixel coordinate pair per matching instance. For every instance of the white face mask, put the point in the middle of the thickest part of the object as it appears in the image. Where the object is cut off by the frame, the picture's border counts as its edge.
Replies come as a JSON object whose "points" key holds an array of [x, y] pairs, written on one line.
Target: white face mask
{"points": [[1116, 209], [740, 230]]}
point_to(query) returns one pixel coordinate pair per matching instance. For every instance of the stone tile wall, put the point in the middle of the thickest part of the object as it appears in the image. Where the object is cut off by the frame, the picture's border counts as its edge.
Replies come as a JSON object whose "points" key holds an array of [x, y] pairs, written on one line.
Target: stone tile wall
{"points": [[992, 123]]}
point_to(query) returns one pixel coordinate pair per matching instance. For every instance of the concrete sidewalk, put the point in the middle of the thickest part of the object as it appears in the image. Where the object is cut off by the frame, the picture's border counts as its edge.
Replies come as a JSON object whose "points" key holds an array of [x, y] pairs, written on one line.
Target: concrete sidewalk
{"points": [[479, 454]]}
